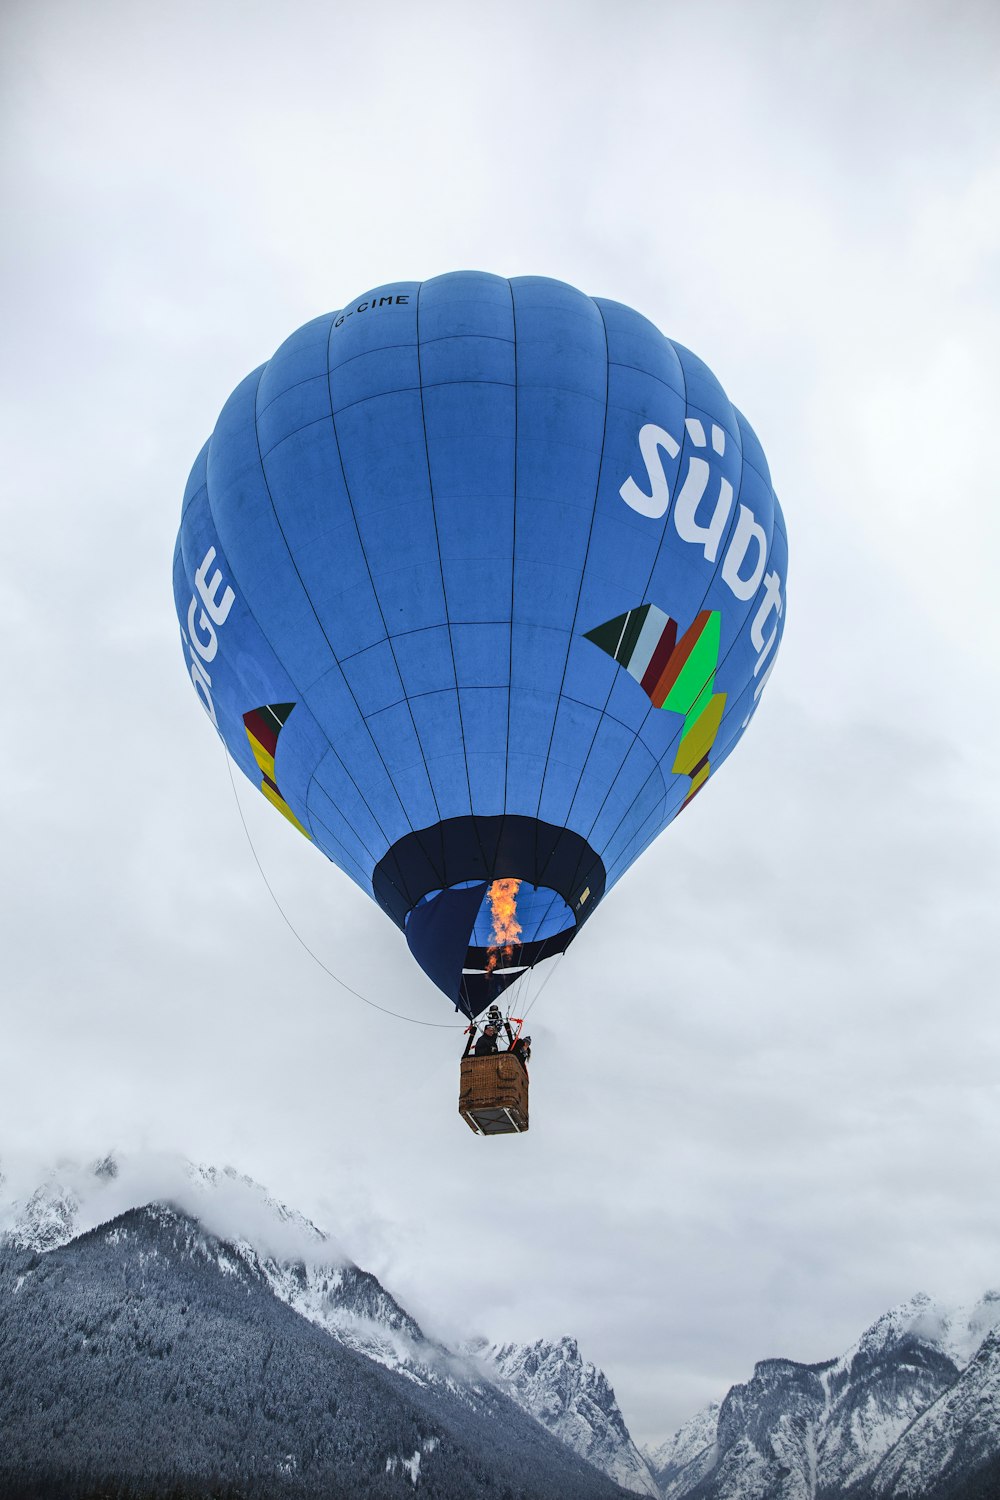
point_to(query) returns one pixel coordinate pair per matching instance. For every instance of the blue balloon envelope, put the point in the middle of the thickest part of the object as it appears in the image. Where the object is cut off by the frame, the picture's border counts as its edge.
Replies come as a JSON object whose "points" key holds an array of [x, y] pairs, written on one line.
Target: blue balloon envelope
{"points": [[479, 581]]}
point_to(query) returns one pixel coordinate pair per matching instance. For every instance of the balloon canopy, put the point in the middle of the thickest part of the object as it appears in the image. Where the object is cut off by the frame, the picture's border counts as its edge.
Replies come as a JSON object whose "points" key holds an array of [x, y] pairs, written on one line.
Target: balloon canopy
{"points": [[479, 581]]}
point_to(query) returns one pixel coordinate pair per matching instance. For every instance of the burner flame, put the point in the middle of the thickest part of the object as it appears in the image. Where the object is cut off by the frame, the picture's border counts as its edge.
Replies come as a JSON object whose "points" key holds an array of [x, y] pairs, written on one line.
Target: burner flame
{"points": [[506, 927]]}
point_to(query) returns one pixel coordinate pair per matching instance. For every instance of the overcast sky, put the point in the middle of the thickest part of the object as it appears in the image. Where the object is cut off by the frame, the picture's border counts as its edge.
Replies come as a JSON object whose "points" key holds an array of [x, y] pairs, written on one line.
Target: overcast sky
{"points": [[766, 1084]]}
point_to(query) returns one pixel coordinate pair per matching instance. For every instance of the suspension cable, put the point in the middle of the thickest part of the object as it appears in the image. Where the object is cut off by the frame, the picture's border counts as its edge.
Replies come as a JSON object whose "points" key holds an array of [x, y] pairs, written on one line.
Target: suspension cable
{"points": [[541, 987], [396, 1015]]}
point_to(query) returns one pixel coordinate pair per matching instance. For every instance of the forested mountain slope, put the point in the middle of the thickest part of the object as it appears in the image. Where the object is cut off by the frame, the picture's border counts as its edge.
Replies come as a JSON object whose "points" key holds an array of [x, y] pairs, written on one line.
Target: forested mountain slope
{"points": [[149, 1357]]}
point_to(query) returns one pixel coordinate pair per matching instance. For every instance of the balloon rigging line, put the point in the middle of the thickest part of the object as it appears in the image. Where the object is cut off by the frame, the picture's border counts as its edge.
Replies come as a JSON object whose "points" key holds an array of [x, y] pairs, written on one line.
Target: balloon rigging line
{"points": [[521, 988], [397, 1015], [538, 992]]}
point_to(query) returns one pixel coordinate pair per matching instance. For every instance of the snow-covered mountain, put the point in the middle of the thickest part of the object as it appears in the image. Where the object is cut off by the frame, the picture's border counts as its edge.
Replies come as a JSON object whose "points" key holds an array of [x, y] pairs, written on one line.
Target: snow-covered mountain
{"points": [[899, 1367], [303, 1265], [680, 1463], [953, 1446], [149, 1357], [911, 1410], [574, 1400], [227, 1220]]}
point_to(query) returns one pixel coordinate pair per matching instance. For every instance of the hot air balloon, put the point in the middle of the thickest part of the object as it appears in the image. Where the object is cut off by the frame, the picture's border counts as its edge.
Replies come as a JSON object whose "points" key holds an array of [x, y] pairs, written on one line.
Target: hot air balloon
{"points": [[480, 581]]}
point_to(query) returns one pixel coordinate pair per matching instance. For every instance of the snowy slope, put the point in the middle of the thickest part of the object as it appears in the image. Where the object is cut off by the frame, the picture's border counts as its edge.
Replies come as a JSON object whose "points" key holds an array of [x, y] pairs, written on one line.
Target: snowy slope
{"points": [[901, 1364], [574, 1400], [954, 1438], [684, 1459], [147, 1356], [312, 1275]]}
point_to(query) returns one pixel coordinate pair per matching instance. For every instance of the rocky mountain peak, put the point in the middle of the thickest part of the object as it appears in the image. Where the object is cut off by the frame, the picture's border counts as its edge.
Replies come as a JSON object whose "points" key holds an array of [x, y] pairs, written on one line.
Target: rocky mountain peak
{"points": [[573, 1399], [48, 1218], [680, 1463], [915, 1398]]}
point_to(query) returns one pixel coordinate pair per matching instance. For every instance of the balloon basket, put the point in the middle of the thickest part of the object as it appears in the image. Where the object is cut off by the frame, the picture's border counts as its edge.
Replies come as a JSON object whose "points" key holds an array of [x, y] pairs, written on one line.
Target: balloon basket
{"points": [[493, 1094]]}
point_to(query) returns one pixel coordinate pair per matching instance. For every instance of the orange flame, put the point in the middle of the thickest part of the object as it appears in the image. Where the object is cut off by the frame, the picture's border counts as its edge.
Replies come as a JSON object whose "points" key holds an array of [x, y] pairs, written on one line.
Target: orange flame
{"points": [[506, 927]]}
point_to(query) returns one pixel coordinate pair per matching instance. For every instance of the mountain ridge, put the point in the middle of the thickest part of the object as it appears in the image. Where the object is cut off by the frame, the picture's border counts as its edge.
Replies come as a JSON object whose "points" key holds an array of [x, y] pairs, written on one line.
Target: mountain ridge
{"points": [[910, 1411], [574, 1400], [888, 1414]]}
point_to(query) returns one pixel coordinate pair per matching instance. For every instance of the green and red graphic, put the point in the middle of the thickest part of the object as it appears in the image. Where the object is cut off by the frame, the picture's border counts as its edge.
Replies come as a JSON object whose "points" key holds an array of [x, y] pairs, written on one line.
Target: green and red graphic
{"points": [[678, 675]]}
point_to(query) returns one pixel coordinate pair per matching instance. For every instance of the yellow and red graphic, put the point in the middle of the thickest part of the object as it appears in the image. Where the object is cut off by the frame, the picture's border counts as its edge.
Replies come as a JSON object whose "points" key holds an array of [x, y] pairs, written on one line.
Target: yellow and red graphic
{"points": [[263, 726]]}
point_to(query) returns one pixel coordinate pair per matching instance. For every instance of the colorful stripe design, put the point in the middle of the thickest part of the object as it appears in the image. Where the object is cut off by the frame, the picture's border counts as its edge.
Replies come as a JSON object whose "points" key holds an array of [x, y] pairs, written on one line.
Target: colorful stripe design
{"points": [[678, 675], [263, 725]]}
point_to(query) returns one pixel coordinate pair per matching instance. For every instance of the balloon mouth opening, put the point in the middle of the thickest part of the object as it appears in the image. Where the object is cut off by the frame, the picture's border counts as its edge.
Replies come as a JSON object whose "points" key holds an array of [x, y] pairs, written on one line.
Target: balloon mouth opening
{"points": [[475, 938], [449, 886], [459, 853], [540, 914], [516, 925]]}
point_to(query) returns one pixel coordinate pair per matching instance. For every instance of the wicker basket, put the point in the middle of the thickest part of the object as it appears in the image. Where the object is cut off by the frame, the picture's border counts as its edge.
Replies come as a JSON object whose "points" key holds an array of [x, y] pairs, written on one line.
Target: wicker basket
{"points": [[493, 1094]]}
